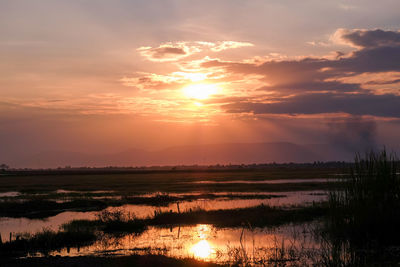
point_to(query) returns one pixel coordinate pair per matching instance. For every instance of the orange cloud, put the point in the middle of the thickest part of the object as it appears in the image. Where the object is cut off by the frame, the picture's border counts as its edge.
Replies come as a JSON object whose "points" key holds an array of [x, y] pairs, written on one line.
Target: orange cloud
{"points": [[167, 52], [229, 45], [176, 51]]}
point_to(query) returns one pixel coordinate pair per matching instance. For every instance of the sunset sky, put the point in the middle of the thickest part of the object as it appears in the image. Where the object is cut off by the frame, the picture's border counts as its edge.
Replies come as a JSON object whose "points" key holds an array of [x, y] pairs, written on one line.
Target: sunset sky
{"points": [[104, 76]]}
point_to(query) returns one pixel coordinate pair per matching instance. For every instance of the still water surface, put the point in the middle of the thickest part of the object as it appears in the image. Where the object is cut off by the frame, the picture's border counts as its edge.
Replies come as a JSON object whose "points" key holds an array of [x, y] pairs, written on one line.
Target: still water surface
{"points": [[205, 242], [18, 225]]}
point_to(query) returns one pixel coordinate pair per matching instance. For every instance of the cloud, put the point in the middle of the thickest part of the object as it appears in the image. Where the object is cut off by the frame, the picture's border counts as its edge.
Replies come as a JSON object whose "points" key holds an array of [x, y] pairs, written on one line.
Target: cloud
{"points": [[166, 52], [318, 103], [367, 38], [363, 82], [152, 81], [229, 45], [380, 59], [327, 85], [313, 86], [176, 51], [174, 80]]}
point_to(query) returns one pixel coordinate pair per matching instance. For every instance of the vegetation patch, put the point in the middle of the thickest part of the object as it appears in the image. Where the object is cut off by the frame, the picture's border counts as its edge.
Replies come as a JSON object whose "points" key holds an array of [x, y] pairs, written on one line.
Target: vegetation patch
{"points": [[134, 260], [259, 216], [41, 208], [362, 224], [369, 206], [46, 241]]}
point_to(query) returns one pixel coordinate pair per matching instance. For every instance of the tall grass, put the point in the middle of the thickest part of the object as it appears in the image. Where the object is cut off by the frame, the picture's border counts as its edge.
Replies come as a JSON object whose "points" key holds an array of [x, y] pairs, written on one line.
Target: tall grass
{"points": [[45, 241], [367, 211], [120, 221]]}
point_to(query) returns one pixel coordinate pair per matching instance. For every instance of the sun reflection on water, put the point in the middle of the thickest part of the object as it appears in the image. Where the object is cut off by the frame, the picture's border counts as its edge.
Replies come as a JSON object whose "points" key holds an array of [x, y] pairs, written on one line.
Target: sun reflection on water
{"points": [[203, 231], [202, 249]]}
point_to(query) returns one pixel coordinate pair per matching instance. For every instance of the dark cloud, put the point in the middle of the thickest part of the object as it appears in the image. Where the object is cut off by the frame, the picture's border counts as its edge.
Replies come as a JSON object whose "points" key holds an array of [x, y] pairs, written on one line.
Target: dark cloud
{"points": [[316, 85], [313, 86], [311, 70], [315, 103], [380, 59], [369, 38], [383, 82]]}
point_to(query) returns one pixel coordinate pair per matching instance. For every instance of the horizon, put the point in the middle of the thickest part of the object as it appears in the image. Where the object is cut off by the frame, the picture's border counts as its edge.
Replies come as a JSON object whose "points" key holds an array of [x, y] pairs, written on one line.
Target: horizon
{"points": [[223, 154], [107, 77]]}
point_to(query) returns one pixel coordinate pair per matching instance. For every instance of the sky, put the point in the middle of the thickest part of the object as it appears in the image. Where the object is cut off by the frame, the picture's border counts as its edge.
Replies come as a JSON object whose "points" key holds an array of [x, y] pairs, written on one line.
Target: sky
{"points": [[104, 76]]}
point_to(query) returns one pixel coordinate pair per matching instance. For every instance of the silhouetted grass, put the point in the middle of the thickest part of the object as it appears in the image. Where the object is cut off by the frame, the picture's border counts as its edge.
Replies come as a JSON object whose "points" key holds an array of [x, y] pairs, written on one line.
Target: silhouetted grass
{"points": [[363, 221], [78, 233], [120, 221], [42, 208], [122, 261], [368, 209], [46, 241], [106, 221], [259, 216]]}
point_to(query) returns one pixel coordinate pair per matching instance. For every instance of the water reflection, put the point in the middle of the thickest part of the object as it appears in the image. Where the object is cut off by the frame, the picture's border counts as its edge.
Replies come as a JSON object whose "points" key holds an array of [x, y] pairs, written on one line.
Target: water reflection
{"points": [[22, 225], [276, 181], [205, 242], [17, 225], [203, 231], [9, 194], [202, 249]]}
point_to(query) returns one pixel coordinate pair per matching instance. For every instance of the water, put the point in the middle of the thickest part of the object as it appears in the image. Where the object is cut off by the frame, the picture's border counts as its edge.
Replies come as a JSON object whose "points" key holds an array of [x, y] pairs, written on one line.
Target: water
{"points": [[62, 191], [10, 194], [277, 181], [24, 225], [204, 242], [18, 225], [291, 198]]}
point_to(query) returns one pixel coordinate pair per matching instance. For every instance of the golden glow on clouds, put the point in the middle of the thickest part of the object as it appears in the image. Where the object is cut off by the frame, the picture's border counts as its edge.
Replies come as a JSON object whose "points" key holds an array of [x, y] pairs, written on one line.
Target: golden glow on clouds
{"points": [[194, 77], [378, 82], [229, 45], [178, 50], [200, 91], [194, 83], [198, 104]]}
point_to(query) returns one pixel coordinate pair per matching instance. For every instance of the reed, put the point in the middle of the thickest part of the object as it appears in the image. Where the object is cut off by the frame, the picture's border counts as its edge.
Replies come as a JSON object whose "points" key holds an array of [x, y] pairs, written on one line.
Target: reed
{"points": [[368, 209]]}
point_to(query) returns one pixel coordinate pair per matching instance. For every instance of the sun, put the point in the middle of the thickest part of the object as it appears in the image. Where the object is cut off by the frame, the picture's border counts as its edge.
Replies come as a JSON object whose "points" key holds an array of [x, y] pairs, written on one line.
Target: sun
{"points": [[200, 91]]}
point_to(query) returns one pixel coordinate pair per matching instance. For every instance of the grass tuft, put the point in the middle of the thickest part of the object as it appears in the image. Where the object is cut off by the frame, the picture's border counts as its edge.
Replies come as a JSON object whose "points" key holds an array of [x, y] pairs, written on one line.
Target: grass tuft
{"points": [[368, 209]]}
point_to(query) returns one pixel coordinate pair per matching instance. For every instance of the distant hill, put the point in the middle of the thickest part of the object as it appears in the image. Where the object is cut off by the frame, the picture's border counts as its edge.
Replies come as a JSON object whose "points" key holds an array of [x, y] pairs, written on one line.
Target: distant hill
{"points": [[229, 153]]}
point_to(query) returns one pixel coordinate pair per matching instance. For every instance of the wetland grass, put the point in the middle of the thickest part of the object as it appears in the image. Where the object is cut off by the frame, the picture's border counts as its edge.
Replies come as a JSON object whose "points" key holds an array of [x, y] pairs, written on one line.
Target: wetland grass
{"points": [[46, 241], [258, 216], [119, 221], [78, 233], [369, 206], [121, 261], [41, 207], [361, 228]]}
